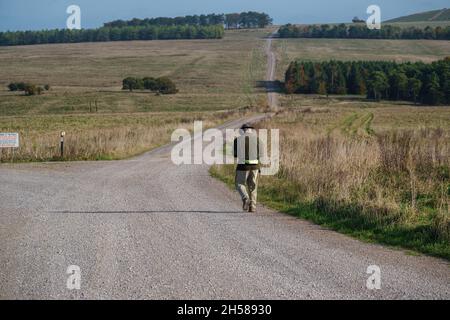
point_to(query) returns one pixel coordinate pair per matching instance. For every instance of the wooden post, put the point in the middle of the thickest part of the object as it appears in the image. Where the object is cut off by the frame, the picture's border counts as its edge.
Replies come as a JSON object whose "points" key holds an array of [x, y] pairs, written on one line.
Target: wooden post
{"points": [[62, 144]]}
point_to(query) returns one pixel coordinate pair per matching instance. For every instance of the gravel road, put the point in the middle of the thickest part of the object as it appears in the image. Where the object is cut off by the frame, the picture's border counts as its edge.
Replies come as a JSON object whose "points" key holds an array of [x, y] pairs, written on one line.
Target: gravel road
{"points": [[272, 96]]}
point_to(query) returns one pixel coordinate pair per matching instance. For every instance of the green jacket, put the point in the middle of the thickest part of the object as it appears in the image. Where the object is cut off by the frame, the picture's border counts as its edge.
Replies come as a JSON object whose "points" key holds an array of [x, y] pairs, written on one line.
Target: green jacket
{"points": [[248, 164]]}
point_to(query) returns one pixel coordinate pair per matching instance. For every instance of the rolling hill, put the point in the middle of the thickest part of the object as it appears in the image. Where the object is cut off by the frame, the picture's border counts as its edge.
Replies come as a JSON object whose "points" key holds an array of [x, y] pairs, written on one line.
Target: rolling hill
{"points": [[435, 15]]}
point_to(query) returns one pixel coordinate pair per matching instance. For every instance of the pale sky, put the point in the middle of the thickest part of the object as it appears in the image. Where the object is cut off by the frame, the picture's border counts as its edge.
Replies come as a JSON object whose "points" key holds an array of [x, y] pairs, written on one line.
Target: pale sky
{"points": [[50, 14]]}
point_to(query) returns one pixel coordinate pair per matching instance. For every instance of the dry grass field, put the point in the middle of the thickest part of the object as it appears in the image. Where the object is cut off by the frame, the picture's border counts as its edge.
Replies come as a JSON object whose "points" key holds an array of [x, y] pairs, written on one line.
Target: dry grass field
{"points": [[100, 136], [358, 49], [210, 74], [216, 79]]}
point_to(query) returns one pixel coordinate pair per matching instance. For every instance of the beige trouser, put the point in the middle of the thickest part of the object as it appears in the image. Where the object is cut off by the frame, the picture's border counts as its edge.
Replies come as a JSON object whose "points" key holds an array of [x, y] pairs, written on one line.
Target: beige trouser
{"points": [[247, 185]]}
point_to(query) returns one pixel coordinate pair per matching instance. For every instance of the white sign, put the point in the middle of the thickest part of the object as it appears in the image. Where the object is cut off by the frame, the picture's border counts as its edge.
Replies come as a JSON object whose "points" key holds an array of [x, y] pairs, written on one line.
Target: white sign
{"points": [[9, 140], [74, 280], [374, 281], [213, 153], [374, 21], [74, 20]]}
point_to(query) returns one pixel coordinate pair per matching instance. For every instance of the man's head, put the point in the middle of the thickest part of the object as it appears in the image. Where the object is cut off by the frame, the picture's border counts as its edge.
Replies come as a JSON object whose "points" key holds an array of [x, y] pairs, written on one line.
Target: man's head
{"points": [[247, 128]]}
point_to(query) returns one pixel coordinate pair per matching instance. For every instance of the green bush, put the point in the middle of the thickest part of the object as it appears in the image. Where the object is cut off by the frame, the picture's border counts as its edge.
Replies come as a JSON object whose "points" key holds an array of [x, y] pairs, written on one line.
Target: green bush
{"points": [[150, 84], [32, 90], [28, 88], [17, 86], [131, 84], [12, 86], [21, 86], [166, 86], [162, 85]]}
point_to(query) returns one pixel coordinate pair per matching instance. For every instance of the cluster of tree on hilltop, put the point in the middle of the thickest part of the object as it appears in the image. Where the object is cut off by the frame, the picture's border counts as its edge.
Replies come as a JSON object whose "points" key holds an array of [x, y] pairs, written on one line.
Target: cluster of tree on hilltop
{"points": [[417, 82], [111, 34], [162, 85], [249, 19], [360, 31]]}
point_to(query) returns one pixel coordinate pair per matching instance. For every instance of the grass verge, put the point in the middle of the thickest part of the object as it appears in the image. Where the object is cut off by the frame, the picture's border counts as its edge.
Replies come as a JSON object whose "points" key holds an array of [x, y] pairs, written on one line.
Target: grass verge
{"points": [[282, 195]]}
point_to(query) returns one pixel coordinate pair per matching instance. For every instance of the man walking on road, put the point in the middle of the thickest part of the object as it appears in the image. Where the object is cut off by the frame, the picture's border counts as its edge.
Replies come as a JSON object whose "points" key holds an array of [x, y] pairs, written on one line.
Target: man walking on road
{"points": [[247, 149]]}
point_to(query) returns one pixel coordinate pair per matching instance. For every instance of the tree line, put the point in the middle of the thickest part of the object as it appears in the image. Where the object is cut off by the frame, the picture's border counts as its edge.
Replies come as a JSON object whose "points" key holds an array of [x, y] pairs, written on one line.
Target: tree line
{"points": [[417, 82], [111, 34], [360, 31], [162, 85], [249, 19]]}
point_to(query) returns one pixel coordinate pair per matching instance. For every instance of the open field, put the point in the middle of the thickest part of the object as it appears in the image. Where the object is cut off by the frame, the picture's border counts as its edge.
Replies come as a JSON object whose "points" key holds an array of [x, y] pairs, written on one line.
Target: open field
{"points": [[358, 49], [440, 15], [104, 122], [210, 74]]}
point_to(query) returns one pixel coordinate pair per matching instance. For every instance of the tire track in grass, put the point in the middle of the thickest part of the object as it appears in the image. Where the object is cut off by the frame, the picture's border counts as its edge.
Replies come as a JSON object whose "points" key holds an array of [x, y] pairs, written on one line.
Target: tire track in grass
{"points": [[358, 124], [347, 126], [368, 124]]}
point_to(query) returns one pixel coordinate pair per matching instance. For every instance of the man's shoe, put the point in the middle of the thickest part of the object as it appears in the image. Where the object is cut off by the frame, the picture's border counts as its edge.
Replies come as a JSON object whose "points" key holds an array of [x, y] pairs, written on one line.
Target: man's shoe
{"points": [[252, 209], [246, 205]]}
